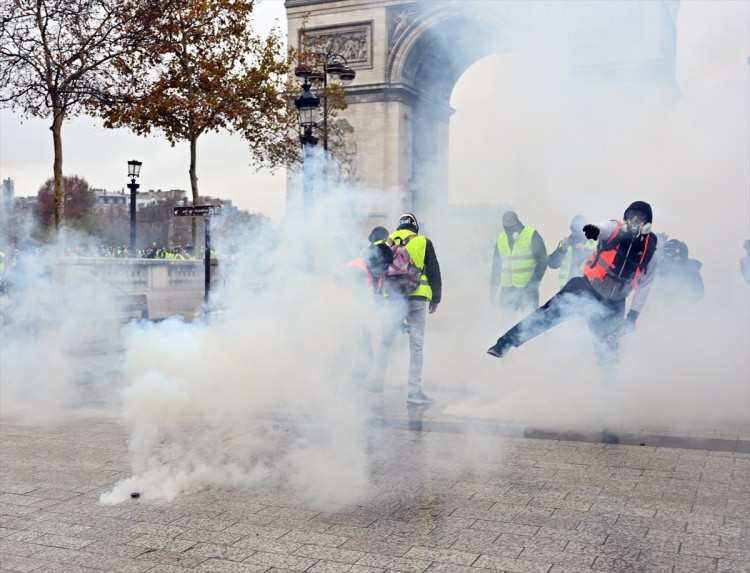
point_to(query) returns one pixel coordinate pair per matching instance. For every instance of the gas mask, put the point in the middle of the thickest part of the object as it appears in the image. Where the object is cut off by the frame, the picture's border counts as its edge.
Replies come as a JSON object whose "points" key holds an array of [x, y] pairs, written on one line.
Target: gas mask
{"points": [[635, 223], [512, 232]]}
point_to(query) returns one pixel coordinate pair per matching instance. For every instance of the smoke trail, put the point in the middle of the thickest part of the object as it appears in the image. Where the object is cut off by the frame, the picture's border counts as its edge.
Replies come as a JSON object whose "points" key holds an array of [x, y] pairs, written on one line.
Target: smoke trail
{"points": [[261, 391]]}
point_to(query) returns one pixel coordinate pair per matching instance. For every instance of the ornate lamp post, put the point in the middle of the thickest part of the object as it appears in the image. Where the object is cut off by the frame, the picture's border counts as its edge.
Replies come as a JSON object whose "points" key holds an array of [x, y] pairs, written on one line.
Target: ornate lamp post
{"points": [[307, 110], [335, 66], [134, 170]]}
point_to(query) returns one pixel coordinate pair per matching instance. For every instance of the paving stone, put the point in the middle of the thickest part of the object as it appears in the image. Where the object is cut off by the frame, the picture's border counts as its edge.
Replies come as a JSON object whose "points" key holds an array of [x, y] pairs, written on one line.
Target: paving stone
{"points": [[284, 561], [202, 535], [442, 555], [337, 567], [11, 562], [329, 553], [224, 566], [392, 563], [730, 566], [162, 542], [540, 505], [20, 548], [514, 565], [386, 547], [314, 538], [218, 551], [619, 565]]}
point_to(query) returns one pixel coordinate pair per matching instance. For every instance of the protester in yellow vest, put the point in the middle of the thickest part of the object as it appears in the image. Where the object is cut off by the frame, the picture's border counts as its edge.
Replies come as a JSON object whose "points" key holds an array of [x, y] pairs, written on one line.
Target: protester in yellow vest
{"points": [[518, 265], [409, 311], [572, 251]]}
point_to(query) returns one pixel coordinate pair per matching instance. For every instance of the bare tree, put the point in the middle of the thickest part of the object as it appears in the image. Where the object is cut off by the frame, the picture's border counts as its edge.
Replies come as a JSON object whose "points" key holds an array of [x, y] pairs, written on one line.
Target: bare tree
{"points": [[57, 54]]}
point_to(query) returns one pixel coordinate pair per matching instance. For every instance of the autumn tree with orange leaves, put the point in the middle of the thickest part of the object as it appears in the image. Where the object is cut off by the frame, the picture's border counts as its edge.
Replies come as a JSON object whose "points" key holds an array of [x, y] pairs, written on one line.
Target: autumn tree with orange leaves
{"points": [[209, 71], [79, 198]]}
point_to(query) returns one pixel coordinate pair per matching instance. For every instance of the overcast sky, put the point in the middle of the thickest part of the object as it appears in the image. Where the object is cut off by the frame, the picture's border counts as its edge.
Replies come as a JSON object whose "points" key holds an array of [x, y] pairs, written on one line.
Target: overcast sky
{"points": [[713, 45]]}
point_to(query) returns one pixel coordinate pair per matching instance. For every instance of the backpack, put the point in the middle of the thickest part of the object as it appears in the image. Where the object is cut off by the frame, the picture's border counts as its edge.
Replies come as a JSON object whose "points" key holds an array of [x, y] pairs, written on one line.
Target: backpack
{"points": [[403, 276]]}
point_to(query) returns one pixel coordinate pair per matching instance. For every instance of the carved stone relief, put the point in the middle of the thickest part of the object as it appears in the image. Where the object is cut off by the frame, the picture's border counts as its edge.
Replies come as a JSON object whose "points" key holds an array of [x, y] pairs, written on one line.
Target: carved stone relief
{"points": [[400, 18], [353, 42], [343, 146]]}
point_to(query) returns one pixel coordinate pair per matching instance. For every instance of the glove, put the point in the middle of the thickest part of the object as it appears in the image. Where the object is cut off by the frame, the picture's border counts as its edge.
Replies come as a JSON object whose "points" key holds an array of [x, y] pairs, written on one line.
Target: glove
{"points": [[591, 232]]}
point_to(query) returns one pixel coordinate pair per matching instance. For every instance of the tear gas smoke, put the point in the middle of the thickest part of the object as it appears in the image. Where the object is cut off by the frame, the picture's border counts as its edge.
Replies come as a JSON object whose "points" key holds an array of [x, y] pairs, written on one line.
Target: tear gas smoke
{"points": [[260, 392]]}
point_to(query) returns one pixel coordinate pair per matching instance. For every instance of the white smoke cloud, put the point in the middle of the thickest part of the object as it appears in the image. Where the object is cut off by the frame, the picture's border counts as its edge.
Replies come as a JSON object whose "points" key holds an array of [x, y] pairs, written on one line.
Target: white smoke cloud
{"points": [[592, 152], [259, 391]]}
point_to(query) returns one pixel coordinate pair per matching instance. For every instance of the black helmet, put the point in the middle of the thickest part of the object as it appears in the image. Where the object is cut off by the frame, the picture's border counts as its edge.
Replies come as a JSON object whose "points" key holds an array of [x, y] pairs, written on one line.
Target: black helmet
{"points": [[408, 221], [674, 249]]}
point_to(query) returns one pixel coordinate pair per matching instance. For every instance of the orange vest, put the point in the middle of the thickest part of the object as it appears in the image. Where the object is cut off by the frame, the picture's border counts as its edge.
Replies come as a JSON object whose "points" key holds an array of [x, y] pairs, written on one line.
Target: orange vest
{"points": [[603, 261], [375, 287]]}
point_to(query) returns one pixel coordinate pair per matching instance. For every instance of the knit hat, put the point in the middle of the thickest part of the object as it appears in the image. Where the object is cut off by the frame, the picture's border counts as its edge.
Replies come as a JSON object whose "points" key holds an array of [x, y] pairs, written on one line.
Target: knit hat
{"points": [[643, 207], [577, 223], [408, 221], [378, 234]]}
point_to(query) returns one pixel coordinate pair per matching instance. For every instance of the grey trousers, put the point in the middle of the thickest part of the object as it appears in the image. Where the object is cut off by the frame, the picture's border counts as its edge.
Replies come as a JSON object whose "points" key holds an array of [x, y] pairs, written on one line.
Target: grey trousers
{"points": [[413, 311]]}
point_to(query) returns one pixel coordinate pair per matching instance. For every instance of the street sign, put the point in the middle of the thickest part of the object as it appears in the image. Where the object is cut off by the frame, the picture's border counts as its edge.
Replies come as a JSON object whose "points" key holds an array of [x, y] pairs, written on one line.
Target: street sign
{"points": [[202, 211], [198, 211]]}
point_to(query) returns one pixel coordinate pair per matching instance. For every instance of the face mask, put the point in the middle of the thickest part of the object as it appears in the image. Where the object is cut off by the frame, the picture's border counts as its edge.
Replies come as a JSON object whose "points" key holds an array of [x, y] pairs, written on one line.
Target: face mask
{"points": [[512, 233], [635, 223]]}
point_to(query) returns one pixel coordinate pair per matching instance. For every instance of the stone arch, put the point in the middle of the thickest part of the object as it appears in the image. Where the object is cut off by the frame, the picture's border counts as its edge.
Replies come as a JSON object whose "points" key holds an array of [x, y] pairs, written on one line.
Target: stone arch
{"points": [[407, 66], [422, 57], [424, 44]]}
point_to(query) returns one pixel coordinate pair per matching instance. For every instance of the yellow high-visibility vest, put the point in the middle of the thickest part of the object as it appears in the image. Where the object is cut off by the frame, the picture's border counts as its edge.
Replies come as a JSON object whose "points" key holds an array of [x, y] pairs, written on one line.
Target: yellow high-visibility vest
{"points": [[565, 269], [517, 264], [416, 247]]}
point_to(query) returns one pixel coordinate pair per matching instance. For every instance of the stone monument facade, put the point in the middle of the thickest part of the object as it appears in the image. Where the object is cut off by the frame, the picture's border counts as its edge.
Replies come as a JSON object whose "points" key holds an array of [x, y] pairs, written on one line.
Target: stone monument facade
{"points": [[408, 56]]}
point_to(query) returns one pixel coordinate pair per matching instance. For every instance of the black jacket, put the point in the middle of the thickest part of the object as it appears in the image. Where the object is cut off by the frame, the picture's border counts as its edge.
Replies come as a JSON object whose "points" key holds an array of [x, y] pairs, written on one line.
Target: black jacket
{"points": [[432, 271]]}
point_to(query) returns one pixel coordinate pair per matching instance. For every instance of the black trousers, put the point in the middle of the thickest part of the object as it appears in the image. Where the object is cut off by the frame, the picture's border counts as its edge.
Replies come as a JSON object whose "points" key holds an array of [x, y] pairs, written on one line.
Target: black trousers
{"points": [[577, 299]]}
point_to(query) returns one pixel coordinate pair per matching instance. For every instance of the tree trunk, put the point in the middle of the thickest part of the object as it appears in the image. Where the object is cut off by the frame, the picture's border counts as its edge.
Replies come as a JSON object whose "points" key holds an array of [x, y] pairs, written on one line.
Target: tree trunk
{"points": [[57, 168], [194, 187]]}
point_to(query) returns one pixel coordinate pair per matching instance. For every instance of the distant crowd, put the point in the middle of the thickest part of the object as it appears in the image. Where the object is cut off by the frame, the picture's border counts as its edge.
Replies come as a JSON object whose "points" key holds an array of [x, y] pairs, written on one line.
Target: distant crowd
{"points": [[123, 252]]}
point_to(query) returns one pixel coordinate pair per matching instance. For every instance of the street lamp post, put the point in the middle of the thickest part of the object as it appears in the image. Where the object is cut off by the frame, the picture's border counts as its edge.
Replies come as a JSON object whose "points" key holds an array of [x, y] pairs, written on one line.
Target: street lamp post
{"points": [[335, 66], [307, 109], [134, 170]]}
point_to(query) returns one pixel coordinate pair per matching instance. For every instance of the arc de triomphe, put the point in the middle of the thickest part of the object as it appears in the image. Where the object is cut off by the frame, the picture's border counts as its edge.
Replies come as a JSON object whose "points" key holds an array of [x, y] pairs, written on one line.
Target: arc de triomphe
{"points": [[408, 56]]}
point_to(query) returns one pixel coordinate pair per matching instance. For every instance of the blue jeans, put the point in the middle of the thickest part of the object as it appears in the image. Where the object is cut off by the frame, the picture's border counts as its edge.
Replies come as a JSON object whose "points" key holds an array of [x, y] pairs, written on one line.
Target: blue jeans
{"points": [[577, 298]]}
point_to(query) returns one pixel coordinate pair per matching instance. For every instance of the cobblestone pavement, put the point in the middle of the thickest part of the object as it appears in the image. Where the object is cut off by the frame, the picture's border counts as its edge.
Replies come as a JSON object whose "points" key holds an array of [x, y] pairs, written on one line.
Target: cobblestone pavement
{"points": [[515, 501]]}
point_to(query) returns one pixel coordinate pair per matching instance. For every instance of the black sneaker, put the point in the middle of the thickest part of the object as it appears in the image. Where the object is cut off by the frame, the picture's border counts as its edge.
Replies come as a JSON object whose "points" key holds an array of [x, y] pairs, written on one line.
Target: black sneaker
{"points": [[419, 398], [501, 348]]}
